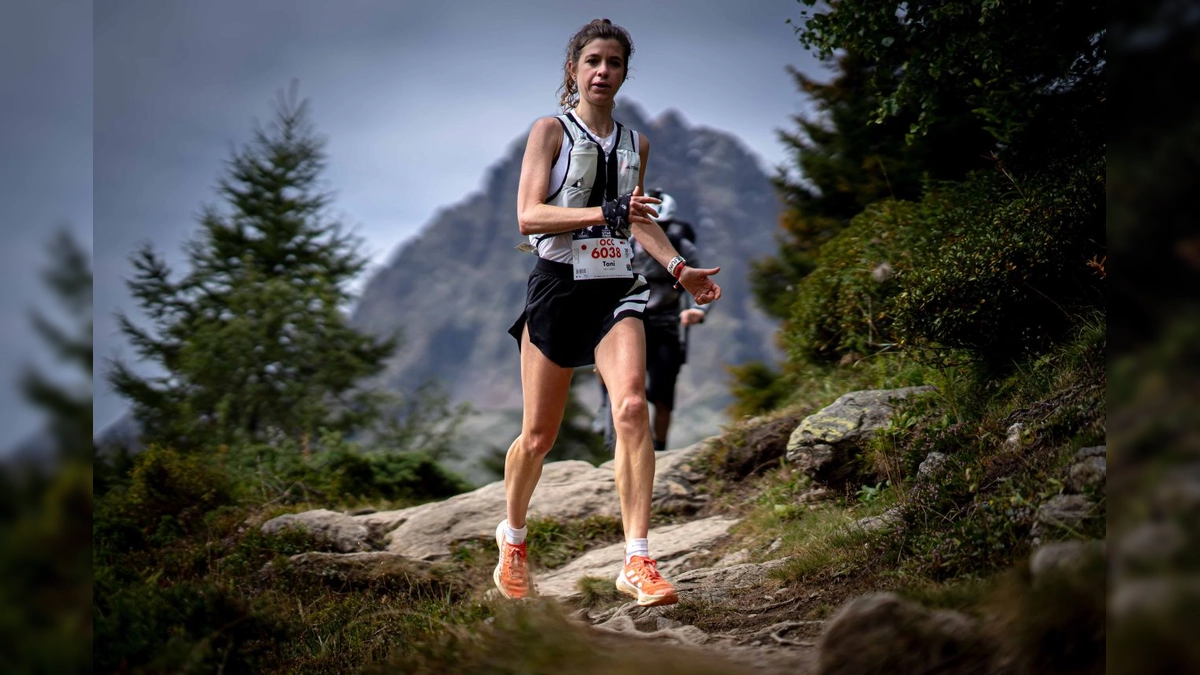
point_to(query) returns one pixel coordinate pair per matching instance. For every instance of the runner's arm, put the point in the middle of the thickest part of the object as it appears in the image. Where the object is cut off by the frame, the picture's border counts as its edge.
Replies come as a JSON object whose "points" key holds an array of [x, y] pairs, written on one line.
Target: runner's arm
{"points": [[534, 216], [656, 243]]}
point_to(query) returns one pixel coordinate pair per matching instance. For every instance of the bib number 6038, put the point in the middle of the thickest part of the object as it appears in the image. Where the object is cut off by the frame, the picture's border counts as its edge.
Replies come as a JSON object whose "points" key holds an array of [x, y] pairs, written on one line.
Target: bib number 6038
{"points": [[606, 252]]}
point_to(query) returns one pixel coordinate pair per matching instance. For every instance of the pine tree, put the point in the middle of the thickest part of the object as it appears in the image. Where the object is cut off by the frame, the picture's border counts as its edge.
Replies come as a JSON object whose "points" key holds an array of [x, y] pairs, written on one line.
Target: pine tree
{"points": [[46, 502], [253, 342], [68, 408]]}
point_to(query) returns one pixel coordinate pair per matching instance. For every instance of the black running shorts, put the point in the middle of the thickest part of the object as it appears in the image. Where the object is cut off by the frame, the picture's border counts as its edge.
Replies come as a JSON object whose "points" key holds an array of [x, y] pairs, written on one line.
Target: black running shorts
{"points": [[568, 318], [664, 358]]}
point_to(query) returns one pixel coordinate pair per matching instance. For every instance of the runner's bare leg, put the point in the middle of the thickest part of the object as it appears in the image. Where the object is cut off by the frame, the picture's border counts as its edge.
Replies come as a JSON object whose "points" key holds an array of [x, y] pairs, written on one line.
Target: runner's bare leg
{"points": [[621, 359], [544, 389]]}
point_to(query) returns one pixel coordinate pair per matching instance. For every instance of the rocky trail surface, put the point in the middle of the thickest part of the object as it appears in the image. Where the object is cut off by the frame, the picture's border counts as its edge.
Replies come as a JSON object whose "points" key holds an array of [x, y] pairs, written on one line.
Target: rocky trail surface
{"points": [[426, 534], [733, 609]]}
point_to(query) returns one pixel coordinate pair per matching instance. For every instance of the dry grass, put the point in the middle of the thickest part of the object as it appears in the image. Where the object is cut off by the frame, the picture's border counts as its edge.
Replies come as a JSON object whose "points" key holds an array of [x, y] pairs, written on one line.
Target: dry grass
{"points": [[537, 638]]}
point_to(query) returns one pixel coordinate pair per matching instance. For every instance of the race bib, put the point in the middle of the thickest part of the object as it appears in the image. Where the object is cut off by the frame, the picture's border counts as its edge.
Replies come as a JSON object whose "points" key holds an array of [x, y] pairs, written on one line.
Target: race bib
{"points": [[601, 258]]}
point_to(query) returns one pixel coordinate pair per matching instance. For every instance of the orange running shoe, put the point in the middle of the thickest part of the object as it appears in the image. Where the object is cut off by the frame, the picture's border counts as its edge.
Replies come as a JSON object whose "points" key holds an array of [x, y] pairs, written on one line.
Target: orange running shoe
{"points": [[640, 579], [512, 572]]}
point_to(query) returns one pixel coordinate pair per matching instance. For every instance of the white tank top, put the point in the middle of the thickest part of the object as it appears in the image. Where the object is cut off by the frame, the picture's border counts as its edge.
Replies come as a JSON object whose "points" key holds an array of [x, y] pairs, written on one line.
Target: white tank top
{"points": [[576, 160]]}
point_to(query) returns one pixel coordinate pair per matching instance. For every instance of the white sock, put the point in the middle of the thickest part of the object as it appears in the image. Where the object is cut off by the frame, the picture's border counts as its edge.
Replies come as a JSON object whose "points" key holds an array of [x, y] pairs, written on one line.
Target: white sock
{"points": [[636, 547], [514, 535]]}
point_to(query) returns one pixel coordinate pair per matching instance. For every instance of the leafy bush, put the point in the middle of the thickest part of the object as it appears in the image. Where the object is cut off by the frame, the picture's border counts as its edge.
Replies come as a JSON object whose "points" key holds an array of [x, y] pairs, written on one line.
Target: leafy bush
{"points": [[167, 484], [840, 308], [1013, 273], [973, 515], [46, 569], [987, 266], [187, 626], [339, 471], [215, 593], [756, 388]]}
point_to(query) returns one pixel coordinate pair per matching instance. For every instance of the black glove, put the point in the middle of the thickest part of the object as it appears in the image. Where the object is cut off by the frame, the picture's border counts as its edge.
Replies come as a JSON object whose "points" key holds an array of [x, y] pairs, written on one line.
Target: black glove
{"points": [[616, 214]]}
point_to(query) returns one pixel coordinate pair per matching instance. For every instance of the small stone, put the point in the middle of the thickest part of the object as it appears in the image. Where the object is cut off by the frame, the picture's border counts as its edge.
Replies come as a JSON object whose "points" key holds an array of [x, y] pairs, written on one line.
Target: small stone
{"points": [[1014, 434], [663, 623], [1064, 510], [1146, 598], [736, 558], [884, 521], [1088, 475], [1178, 495], [930, 465], [676, 490], [1063, 557], [815, 494]]}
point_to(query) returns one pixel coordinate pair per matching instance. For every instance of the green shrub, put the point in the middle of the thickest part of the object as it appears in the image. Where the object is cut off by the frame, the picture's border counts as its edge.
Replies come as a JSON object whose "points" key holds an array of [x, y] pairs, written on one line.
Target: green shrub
{"points": [[165, 483], [46, 569], [756, 388], [839, 308], [337, 471], [987, 266], [188, 626], [1012, 274]]}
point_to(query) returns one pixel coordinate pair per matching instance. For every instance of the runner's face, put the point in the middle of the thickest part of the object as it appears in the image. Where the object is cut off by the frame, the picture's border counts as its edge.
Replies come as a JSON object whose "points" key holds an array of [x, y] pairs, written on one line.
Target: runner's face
{"points": [[600, 71]]}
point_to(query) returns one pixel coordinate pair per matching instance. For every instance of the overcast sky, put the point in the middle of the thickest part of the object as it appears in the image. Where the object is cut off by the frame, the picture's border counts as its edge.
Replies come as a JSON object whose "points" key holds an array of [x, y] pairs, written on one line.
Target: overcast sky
{"points": [[417, 99], [45, 176]]}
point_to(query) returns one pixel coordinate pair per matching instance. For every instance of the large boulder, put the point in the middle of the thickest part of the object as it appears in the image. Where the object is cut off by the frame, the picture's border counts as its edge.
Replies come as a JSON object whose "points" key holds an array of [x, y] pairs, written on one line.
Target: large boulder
{"points": [[884, 634], [724, 584], [675, 478], [1064, 558], [328, 530], [826, 443]]}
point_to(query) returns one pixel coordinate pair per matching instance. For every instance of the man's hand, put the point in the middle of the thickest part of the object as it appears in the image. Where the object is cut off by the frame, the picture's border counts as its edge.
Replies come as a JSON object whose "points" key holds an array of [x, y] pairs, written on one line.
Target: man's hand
{"points": [[691, 317]]}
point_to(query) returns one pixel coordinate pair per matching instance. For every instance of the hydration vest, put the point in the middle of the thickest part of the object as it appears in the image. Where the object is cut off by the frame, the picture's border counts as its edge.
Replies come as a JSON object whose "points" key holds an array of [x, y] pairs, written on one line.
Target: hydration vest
{"points": [[591, 178]]}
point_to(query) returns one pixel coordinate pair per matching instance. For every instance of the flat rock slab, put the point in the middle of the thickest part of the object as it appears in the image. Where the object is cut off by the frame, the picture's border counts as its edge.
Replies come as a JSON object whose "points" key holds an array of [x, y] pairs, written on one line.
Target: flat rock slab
{"points": [[671, 545], [721, 584], [568, 490], [328, 530]]}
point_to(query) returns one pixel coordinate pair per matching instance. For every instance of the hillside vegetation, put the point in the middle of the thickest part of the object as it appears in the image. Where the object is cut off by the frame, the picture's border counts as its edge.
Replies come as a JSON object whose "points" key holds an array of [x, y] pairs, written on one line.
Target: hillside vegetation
{"points": [[943, 229]]}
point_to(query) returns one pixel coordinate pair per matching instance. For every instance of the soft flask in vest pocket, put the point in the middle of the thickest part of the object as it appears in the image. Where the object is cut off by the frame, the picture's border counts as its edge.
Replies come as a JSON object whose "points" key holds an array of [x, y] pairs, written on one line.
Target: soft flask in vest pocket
{"points": [[581, 173]]}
